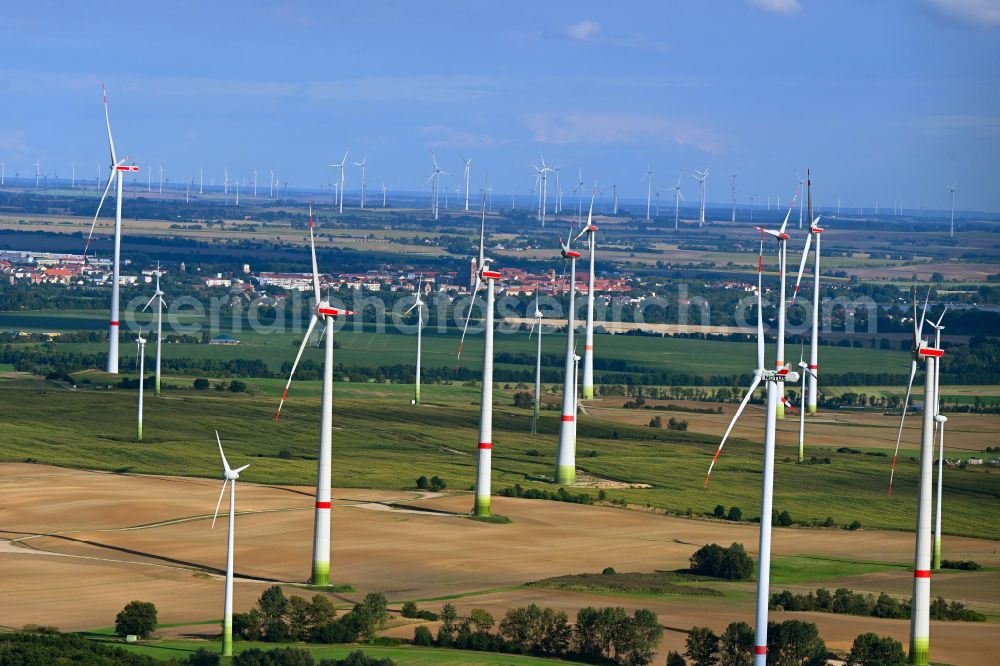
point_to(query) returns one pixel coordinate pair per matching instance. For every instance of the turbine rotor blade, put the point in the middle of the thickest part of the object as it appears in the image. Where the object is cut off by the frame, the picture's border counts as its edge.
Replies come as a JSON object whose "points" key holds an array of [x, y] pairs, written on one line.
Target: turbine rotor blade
{"points": [[305, 341], [739, 410], [97, 214], [902, 419], [225, 463], [802, 267], [312, 248], [468, 317], [219, 503]]}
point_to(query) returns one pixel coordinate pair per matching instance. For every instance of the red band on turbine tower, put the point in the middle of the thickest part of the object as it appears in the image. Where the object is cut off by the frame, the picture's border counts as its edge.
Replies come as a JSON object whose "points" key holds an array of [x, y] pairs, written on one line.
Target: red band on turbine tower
{"points": [[485, 445], [814, 367], [322, 505], [568, 418], [114, 323], [922, 573], [760, 649]]}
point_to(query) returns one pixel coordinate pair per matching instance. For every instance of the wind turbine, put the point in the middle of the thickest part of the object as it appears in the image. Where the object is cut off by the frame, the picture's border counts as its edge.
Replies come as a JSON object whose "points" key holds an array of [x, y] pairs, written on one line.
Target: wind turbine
{"points": [[588, 345], [771, 379], [537, 321], [158, 297], [384, 195], [939, 420], [340, 186], [700, 176], [733, 187], [228, 474], [418, 304], [255, 183], [920, 614], [614, 193], [161, 180], [321, 527], [468, 171], [648, 177], [782, 239], [678, 197], [118, 169], [814, 232], [579, 193], [436, 185], [485, 275], [917, 331], [951, 191], [801, 201], [363, 163], [566, 450], [543, 199]]}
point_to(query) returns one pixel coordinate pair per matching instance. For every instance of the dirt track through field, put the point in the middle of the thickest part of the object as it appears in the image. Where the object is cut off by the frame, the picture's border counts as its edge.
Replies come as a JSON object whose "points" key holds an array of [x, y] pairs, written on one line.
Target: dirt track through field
{"points": [[124, 537]]}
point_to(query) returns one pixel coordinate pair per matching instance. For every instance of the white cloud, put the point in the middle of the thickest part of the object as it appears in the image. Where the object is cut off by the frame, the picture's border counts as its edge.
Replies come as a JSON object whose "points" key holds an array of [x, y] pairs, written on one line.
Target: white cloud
{"points": [[443, 136], [618, 128], [777, 6], [972, 12], [583, 30]]}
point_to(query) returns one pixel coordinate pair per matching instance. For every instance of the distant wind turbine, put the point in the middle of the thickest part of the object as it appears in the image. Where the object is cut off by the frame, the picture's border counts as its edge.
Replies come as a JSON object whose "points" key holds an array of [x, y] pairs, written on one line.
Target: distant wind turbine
{"points": [[228, 475], [340, 186], [648, 177], [701, 176]]}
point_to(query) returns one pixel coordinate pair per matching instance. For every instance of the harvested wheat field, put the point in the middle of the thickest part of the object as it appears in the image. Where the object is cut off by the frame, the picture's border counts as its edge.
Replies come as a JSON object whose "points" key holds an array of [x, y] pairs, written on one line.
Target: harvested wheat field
{"points": [[829, 428], [78, 545]]}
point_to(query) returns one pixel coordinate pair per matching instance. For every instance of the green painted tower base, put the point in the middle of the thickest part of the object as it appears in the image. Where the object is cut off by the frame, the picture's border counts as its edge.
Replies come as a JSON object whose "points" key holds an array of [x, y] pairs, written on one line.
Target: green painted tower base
{"points": [[565, 476], [811, 409], [780, 410], [321, 574], [588, 392], [482, 507], [138, 434], [919, 651], [936, 562], [227, 639]]}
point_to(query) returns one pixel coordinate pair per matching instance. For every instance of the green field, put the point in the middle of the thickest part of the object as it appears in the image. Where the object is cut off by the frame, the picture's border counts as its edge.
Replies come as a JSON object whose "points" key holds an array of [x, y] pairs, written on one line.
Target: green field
{"points": [[404, 655], [370, 348], [381, 441]]}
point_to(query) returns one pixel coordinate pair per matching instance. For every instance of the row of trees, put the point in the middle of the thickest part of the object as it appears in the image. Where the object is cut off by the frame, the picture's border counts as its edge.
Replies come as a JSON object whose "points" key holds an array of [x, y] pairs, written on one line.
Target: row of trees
{"points": [[789, 643], [847, 602], [600, 635], [277, 619]]}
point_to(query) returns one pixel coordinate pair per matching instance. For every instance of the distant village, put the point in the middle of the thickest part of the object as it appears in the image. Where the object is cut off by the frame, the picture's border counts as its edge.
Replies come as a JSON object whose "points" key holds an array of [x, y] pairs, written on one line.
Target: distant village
{"points": [[28, 267]]}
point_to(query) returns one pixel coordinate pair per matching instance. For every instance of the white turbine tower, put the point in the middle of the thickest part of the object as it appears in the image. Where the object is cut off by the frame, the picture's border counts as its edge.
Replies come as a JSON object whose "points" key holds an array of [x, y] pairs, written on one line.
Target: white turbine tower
{"points": [[140, 343], [648, 177], [771, 379], [326, 313], [678, 197], [537, 322], [733, 187], [384, 195], [340, 186], [939, 421], [468, 171], [951, 192], [802, 200], [588, 346], [566, 450], [118, 169], [485, 276], [255, 183], [782, 239], [418, 304], [814, 232], [228, 474], [701, 176], [364, 184], [158, 298]]}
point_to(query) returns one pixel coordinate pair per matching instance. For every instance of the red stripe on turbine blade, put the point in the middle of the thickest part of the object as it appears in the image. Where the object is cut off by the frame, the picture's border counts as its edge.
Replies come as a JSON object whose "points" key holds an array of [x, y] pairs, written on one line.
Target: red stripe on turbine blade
{"points": [[568, 418], [760, 649], [485, 445], [922, 573], [322, 505]]}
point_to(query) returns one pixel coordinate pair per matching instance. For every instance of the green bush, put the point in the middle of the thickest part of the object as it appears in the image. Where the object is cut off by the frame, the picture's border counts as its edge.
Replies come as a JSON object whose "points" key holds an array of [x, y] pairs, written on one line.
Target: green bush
{"points": [[731, 563], [138, 618], [422, 636], [874, 650], [201, 383]]}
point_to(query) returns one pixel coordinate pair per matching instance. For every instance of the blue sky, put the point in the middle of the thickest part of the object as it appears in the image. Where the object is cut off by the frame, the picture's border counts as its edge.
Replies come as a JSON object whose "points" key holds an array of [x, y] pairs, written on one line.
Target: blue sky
{"points": [[885, 100]]}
